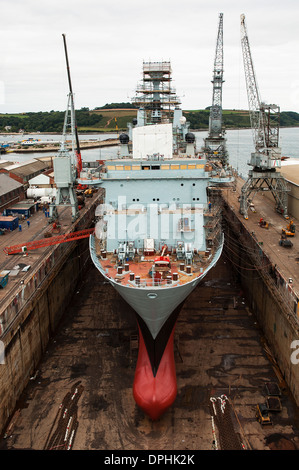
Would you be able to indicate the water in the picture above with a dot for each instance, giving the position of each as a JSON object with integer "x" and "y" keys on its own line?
{"x": 87, "y": 155}
{"x": 239, "y": 145}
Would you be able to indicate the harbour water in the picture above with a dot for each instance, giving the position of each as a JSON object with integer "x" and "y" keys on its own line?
{"x": 239, "y": 145}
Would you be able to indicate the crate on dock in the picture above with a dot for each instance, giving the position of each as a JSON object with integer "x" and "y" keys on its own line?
{"x": 274, "y": 403}
{"x": 22, "y": 209}
{"x": 273, "y": 389}
{"x": 8, "y": 222}
{"x": 3, "y": 279}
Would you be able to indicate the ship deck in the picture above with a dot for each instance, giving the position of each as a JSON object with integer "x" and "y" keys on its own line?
{"x": 136, "y": 272}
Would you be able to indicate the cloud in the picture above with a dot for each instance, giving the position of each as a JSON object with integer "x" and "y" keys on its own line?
{"x": 107, "y": 43}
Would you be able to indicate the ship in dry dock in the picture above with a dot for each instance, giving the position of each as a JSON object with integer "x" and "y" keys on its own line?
{"x": 158, "y": 233}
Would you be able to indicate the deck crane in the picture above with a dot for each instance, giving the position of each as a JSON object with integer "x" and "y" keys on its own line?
{"x": 266, "y": 158}
{"x": 215, "y": 143}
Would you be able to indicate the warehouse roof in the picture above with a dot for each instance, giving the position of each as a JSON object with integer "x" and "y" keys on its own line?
{"x": 5, "y": 163}
{"x": 8, "y": 184}
{"x": 26, "y": 168}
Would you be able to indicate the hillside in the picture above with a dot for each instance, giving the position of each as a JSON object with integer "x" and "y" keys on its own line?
{"x": 110, "y": 119}
{"x": 233, "y": 119}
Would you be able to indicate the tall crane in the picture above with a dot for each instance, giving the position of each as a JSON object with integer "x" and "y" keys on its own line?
{"x": 215, "y": 143}
{"x": 65, "y": 169}
{"x": 71, "y": 108}
{"x": 266, "y": 159}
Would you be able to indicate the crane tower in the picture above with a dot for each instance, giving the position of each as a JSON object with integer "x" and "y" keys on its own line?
{"x": 215, "y": 143}
{"x": 65, "y": 166}
{"x": 266, "y": 158}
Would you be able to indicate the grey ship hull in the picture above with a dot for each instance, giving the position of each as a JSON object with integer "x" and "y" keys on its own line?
{"x": 154, "y": 304}
{"x": 157, "y": 309}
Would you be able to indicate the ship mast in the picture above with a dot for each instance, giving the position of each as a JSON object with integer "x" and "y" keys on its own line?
{"x": 265, "y": 126}
{"x": 158, "y": 104}
{"x": 154, "y": 95}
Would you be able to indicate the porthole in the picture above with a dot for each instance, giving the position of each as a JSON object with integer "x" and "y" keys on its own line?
{"x": 152, "y": 295}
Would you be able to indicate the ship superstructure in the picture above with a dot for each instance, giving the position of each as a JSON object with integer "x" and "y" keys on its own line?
{"x": 158, "y": 233}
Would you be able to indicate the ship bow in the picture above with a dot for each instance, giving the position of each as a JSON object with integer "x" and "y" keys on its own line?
{"x": 154, "y": 392}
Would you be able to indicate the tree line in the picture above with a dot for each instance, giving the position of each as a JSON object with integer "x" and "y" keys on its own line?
{"x": 122, "y": 105}
{"x": 235, "y": 119}
{"x": 52, "y": 121}
{"x": 42, "y": 121}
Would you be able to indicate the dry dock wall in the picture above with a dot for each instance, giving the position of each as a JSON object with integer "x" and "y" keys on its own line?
{"x": 32, "y": 314}
{"x": 270, "y": 297}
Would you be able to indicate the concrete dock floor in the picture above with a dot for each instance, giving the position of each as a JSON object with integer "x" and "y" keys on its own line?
{"x": 219, "y": 351}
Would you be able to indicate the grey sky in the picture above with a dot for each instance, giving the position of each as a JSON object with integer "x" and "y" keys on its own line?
{"x": 108, "y": 41}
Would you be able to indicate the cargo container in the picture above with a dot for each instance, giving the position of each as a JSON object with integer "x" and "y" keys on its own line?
{"x": 22, "y": 208}
{"x": 9, "y": 222}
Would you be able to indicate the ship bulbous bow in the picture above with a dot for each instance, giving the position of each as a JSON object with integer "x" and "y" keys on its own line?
{"x": 153, "y": 392}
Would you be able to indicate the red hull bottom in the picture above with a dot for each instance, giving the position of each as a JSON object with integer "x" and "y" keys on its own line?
{"x": 154, "y": 394}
